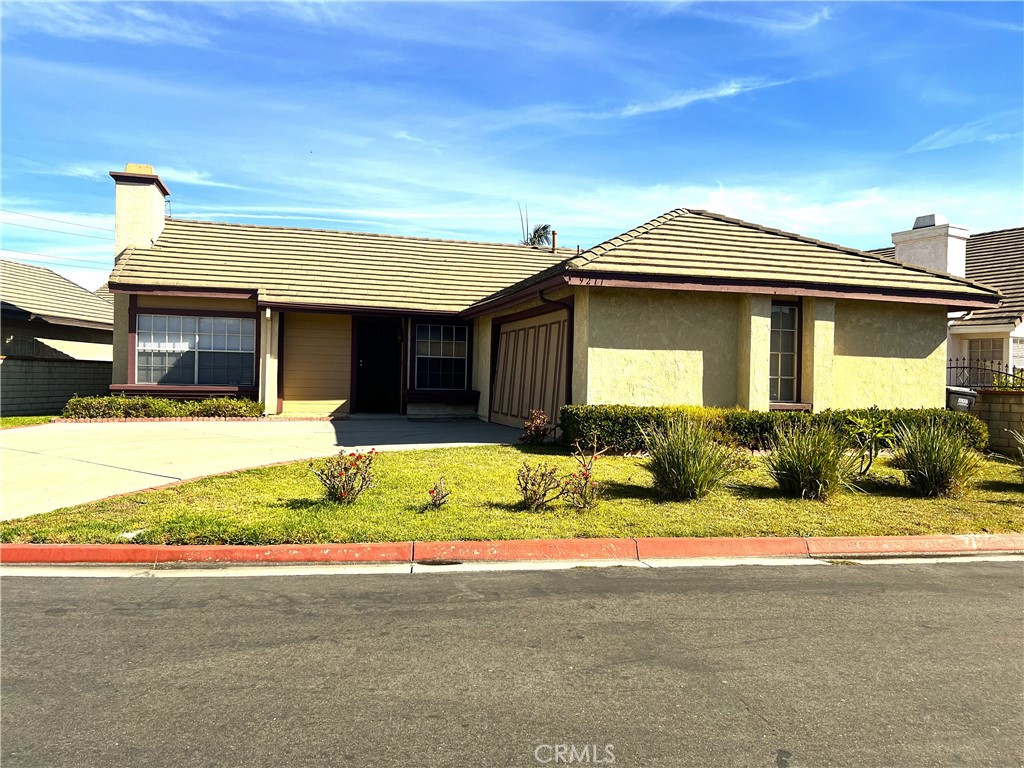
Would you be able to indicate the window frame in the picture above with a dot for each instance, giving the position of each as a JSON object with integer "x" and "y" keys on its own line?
{"x": 414, "y": 356}
{"x": 797, "y": 353}
{"x": 996, "y": 346}
{"x": 198, "y": 316}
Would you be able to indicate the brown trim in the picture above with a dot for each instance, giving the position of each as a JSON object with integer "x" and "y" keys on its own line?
{"x": 133, "y": 314}
{"x": 543, "y": 309}
{"x": 345, "y": 309}
{"x": 31, "y": 359}
{"x": 520, "y": 296}
{"x": 952, "y": 302}
{"x": 193, "y": 293}
{"x": 798, "y": 363}
{"x": 280, "y": 362}
{"x": 140, "y": 179}
{"x": 790, "y": 407}
{"x": 246, "y": 313}
{"x": 185, "y": 390}
{"x": 24, "y": 316}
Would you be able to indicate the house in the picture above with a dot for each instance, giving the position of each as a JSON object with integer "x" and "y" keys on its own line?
{"x": 984, "y": 338}
{"x": 104, "y": 293}
{"x": 57, "y": 340}
{"x": 691, "y": 307}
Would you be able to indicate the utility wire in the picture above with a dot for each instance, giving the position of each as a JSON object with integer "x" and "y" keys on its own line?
{"x": 55, "y": 258}
{"x": 58, "y": 221}
{"x": 58, "y": 231}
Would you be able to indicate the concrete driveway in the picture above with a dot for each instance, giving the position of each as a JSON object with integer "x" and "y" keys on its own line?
{"x": 56, "y": 465}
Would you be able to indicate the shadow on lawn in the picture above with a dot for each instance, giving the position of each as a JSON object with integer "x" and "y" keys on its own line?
{"x": 1000, "y": 486}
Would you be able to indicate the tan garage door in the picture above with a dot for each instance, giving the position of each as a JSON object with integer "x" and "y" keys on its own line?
{"x": 531, "y": 368}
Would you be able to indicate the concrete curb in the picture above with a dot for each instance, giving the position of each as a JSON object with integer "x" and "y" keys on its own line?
{"x": 517, "y": 550}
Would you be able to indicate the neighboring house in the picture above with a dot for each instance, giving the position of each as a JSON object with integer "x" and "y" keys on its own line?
{"x": 984, "y": 339}
{"x": 104, "y": 293}
{"x": 57, "y": 340}
{"x": 692, "y": 307}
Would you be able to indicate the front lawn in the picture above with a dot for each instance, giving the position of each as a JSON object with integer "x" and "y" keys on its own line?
{"x": 284, "y": 505}
{"x": 6, "y": 422}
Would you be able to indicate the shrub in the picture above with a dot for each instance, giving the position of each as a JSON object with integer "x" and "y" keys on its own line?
{"x": 871, "y": 431}
{"x": 345, "y": 476}
{"x": 537, "y": 428}
{"x": 935, "y": 458}
{"x": 438, "y": 495}
{"x": 811, "y": 461}
{"x": 621, "y": 426}
{"x": 686, "y": 462}
{"x": 150, "y": 407}
{"x": 580, "y": 489}
{"x": 538, "y": 485}
{"x": 1019, "y": 458}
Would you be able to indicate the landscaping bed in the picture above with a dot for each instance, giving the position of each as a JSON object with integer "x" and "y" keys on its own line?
{"x": 285, "y": 504}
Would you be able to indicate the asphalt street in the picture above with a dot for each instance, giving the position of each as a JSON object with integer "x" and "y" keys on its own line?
{"x": 849, "y": 665}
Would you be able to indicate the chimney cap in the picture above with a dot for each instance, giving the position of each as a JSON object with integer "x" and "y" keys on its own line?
{"x": 931, "y": 220}
{"x": 139, "y": 173}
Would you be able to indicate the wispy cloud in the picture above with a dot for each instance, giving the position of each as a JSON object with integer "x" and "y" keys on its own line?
{"x": 142, "y": 24}
{"x": 776, "y": 20}
{"x": 684, "y": 99}
{"x": 1003, "y": 125}
{"x": 194, "y": 178}
{"x": 99, "y": 172}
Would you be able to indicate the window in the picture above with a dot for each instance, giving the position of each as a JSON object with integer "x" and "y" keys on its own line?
{"x": 441, "y": 356}
{"x": 990, "y": 350}
{"x": 1017, "y": 353}
{"x": 783, "y": 363}
{"x": 212, "y": 351}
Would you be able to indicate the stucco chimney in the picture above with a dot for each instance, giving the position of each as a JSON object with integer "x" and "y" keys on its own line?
{"x": 138, "y": 207}
{"x": 933, "y": 243}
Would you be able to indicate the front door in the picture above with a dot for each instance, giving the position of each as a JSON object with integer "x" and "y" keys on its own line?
{"x": 378, "y": 365}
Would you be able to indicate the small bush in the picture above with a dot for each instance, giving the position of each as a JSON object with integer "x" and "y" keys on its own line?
{"x": 1019, "y": 458}
{"x": 538, "y": 485}
{"x": 812, "y": 461}
{"x": 537, "y": 428}
{"x": 686, "y": 462}
{"x": 580, "y": 489}
{"x": 345, "y": 476}
{"x": 935, "y": 458}
{"x": 438, "y": 495}
{"x": 150, "y": 407}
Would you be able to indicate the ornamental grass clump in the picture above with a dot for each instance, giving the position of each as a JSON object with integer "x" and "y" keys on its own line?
{"x": 345, "y": 476}
{"x": 685, "y": 461}
{"x": 812, "y": 462}
{"x": 935, "y": 458}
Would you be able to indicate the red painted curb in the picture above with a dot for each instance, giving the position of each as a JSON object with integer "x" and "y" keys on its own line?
{"x": 526, "y": 549}
{"x": 722, "y": 547}
{"x": 387, "y": 552}
{"x": 867, "y": 546}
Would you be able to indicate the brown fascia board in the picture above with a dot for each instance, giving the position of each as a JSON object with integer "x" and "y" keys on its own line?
{"x": 123, "y": 177}
{"x": 170, "y": 290}
{"x": 526, "y": 293}
{"x": 603, "y": 279}
{"x": 351, "y": 309}
{"x": 32, "y": 317}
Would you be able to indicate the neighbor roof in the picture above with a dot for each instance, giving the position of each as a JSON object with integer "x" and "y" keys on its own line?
{"x": 331, "y": 268}
{"x": 995, "y": 259}
{"x": 104, "y": 293}
{"x": 40, "y": 293}
{"x": 699, "y": 250}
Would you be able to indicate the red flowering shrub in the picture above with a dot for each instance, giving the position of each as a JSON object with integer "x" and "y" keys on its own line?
{"x": 580, "y": 490}
{"x": 438, "y": 494}
{"x": 537, "y": 428}
{"x": 345, "y": 476}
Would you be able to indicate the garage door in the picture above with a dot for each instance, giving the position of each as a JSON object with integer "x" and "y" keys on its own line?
{"x": 531, "y": 368}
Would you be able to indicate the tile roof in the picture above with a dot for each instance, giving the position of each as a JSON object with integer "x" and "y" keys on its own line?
{"x": 104, "y": 293}
{"x": 699, "y": 245}
{"x": 332, "y": 268}
{"x": 41, "y": 292}
{"x": 995, "y": 259}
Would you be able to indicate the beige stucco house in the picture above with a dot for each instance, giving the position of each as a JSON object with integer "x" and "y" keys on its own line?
{"x": 692, "y": 307}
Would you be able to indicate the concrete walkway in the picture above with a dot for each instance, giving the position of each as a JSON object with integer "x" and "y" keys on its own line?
{"x": 56, "y": 465}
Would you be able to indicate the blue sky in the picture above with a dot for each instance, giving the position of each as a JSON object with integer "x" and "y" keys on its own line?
{"x": 839, "y": 121}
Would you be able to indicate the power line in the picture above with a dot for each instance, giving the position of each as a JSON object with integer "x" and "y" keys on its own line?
{"x": 58, "y": 221}
{"x": 56, "y": 258}
{"x": 58, "y": 231}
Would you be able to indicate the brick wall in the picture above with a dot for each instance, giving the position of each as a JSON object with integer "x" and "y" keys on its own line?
{"x": 1001, "y": 411}
{"x": 29, "y": 387}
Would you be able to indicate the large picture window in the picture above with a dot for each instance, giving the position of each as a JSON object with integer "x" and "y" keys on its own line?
{"x": 212, "y": 351}
{"x": 441, "y": 352}
{"x": 784, "y": 345}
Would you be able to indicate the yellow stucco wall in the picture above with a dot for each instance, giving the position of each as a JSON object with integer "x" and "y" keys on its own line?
{"x": 197, "y": 303}
{"x": 119, "y": 373}
{"x": 892, "y": 355}
{"x": 482, "y": 364}
{"x": 317, "y": 361}
{"x": 649, "y": 347}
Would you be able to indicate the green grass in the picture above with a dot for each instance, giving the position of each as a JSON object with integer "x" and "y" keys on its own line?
{"x": 284, "y": 505}
{"x": 6, "y": 422}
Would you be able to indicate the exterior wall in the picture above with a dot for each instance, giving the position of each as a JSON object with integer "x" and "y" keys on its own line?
{"x": 481, "y": 373}
{"x": 752, "y": 343}
{"x": 649, "y": 347}
{"x": 170, "y": 303}
{"x": 25, "y": 338}
{"x": 1001, "y": 411}
{"x": 138, "y": 215}
{"x": 317, "y": 363}
{"x": 817, "y": 352}
{"x": 889, "y": 355}
{"x": 121, "y": 351}
{"x": 44, "y": 386}
{"x": 581, "y": 346}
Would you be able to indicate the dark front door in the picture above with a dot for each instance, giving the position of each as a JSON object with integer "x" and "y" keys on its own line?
{"x": 378, "y": 365}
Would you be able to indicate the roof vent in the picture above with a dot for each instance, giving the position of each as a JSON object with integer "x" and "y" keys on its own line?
{"x": 931, "y": 220}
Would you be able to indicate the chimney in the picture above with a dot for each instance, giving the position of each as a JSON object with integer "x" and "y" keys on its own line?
{"x": 554, "y": 240}
{"x": 138, "y": 207}
{"x": 933, "y": 243}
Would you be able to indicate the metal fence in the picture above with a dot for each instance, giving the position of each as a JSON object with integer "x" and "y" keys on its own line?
{"x": 983, "y": 374}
